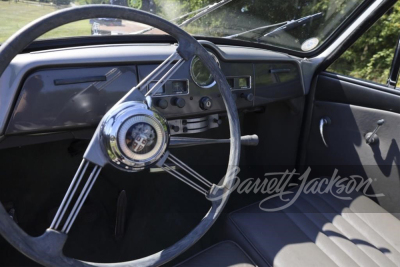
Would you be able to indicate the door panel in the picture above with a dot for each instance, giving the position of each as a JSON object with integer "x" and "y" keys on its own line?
{"x": 354, "y": 110}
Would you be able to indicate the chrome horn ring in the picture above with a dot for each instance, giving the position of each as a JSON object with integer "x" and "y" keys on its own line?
{"x": 134, "y": 136}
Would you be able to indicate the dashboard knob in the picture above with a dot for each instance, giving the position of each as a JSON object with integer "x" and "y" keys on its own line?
{"x": 179, "y": 102}
{"x": 205, "y": 103}
{"x": 248, "y": 96}
{"x": 162, "y": 103}
{"x": 175, "y": 128}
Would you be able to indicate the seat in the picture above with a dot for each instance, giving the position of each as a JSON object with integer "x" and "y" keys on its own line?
{"x": 224, "y": 254}
{"x": 317, "y": 230}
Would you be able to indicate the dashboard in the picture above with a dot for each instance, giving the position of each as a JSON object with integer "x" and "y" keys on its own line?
{"x": 71, "y": 88}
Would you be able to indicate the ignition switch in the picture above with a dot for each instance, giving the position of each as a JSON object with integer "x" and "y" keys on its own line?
{"x": 205, "y": 103}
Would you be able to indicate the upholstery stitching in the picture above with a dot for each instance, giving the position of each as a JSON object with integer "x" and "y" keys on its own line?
{"x": 377, "y": 234}
{"x": 374, "y": 230}
{"x": 309, "y": 237}
{"x": 354, "y": 228}
{"x": 384, "y": 239}
{"x": 333, "y": 242}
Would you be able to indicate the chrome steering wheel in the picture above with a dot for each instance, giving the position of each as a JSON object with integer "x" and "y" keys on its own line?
{"x": 131, "y": 136}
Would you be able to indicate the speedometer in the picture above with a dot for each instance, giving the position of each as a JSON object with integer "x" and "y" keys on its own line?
{"x": 200, "y": 74}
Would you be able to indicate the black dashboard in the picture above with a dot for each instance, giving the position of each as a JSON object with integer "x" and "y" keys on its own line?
{"x": 73, "y": 88}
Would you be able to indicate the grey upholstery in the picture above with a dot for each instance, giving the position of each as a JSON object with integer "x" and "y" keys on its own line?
{"x": 223, "y": 254}
{"x": 318, "y": 230}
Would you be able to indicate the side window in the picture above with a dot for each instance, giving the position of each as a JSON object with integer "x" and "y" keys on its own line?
{"x": 370, "y": 57}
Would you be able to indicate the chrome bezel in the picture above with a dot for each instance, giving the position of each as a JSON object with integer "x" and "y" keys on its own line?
{"x": 160, "y": 95}
{"x": 113, "y": 130}
{"x": 192, "y": 75}
{"x": 245, "y": 76}
{"x": 124, "y": 129}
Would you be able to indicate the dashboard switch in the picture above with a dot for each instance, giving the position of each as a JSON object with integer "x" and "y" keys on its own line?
{"x": 162, "y": 103}
{"x": 179, "y": 102}
{"x": 248, "y": 96}
{"x": 175, "y": 128}
{"x": 205, "y": 103}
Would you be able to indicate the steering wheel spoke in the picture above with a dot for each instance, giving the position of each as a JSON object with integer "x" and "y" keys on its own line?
{"x": 191, "y": 178}
{"x": 154, "y": 75}
{"x": 63, "y": 221}
{"x": 154, "y": 89}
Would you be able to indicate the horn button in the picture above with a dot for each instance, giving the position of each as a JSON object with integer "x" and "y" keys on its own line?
{"x": 134, "y": 137}
{"x": 141, "y": 138}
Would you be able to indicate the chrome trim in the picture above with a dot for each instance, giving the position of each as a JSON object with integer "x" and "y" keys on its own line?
{"x": 165, "y": 77}
{"x": 189, "y": 170}
{"x": 69, "y": 195}
{"x": 68, "y": 220}
{"x": 192, "y": 76}
{"x": 146, "y": 81}
{"x": 195, "y": 125}
{"x": 171, "y": 169}
{"x": 113, "y": 130}
{"x": 156, "y": 95}
{"x": 123, "y": 130}
{"x": 324, "y": 121}
{"x": 184, "y": 179}
{"x": 81, "y": 199}
{"x": 246, "y": 76}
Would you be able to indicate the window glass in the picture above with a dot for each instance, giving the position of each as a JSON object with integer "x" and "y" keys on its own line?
{"x": 258, "y": 21}
{"x": 370, "y": 57}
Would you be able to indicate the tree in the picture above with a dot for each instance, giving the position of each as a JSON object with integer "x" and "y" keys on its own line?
{"x": 370, "y": 57}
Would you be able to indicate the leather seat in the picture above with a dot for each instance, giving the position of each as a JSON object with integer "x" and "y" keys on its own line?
{"x": 318, "y": 230}
{"x": 224, "y": 254}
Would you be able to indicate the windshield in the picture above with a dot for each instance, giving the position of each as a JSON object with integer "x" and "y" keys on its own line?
{"x": 300, "y": 25}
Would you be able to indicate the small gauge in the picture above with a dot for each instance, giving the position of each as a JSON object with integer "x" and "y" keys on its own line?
{"x": 179, "y": 87}
{"x": 200, "y": 74}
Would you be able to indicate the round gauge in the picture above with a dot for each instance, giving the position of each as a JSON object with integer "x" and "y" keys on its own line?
{"x": 200, "y": 74}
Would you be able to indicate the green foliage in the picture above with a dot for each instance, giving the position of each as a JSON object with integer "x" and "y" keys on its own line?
{"x": 370, "y": 57}
{"x": 135, "y": 4}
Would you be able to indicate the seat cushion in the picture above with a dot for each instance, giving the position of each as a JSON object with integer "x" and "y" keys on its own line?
{"x": 317, "y": 230}
{"x": 226, "y": 253}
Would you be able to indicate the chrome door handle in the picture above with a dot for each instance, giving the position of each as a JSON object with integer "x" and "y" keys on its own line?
{"x": 324, "y": 121}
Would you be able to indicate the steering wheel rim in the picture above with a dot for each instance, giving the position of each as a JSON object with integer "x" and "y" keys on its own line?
{"x": 42, "y": 249}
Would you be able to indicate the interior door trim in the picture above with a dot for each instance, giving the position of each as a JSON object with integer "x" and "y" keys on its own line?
{"x": 340, "y": 89}
{"x": 369, "y": 84}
